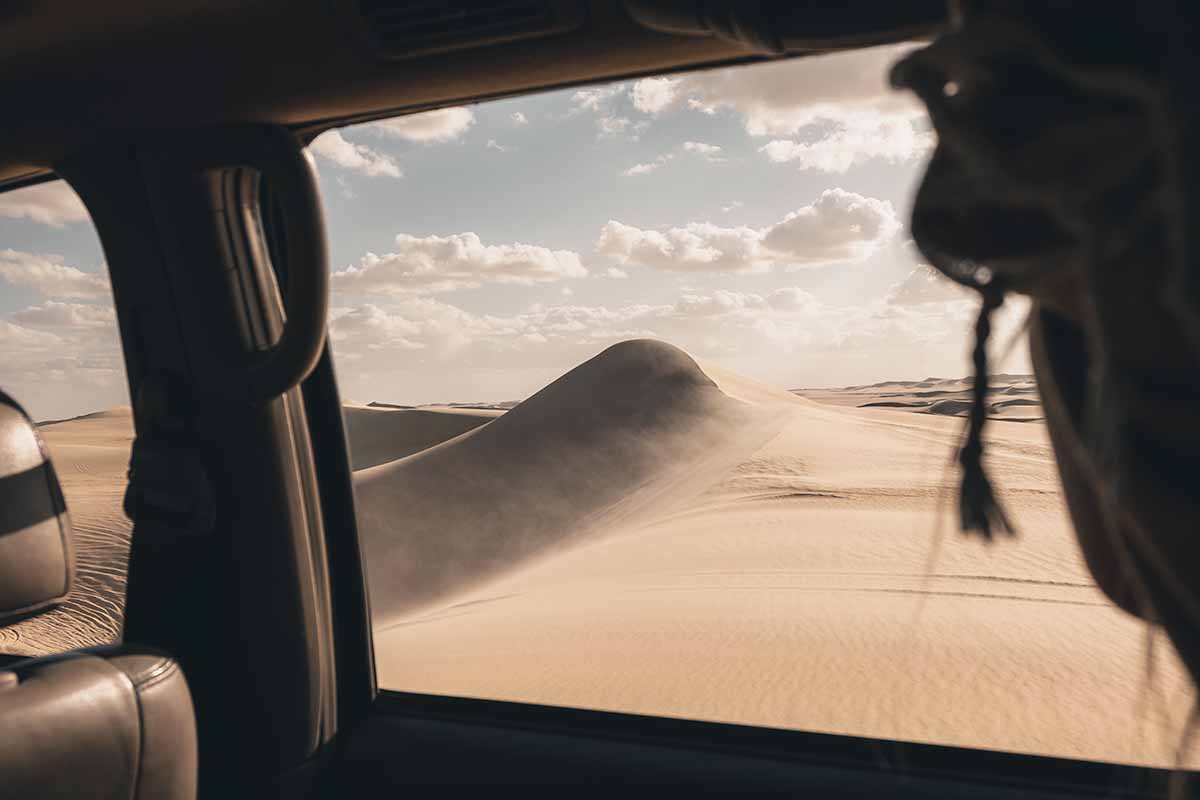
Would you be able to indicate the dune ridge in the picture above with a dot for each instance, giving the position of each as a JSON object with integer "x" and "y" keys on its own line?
{"x": 1011, "y": 397}
{"x": 380, "y": 433}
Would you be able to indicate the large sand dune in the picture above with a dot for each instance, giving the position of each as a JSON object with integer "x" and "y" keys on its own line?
{"x": 656, "y": 535}
{"x": 622, "y": 435}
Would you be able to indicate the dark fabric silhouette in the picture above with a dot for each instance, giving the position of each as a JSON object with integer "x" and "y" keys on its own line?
{"x": 1067, "y": 170}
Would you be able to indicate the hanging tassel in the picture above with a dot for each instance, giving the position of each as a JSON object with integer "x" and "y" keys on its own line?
{"x": 980, "y": 512}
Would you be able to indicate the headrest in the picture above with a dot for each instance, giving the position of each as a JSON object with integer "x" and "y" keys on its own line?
{"x": 36, "y": 558}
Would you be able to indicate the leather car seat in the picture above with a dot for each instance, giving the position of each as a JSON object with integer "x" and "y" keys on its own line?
{"x": 98, "y": 723}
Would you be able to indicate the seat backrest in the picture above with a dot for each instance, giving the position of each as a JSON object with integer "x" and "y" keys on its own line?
{"x": 98, "y": 723}
{"x": 91, "y": 724}
{"x": 36, "y": 559}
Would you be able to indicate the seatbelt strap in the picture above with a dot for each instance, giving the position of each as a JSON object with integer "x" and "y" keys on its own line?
{"x": 169, "y": 490}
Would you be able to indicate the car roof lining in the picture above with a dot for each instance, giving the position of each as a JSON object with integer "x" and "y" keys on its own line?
{"x": 300, "y": 64}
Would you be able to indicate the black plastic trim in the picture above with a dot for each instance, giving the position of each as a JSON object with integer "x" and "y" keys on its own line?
{"x": 277, "y": 155}
{"x": 354, "y": 651}
{"x": 899, "y": 759}
{"x": 32, "y": 179}
{"x": 354, "y": 654}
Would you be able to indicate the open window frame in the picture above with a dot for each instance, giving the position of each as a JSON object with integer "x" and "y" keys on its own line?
{"x": 397, "y": 739}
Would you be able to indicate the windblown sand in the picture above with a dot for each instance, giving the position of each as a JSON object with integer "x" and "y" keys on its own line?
{"x": 653, "y": 535}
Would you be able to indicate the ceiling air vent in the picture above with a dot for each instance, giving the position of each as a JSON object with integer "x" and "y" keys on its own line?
{"x": 405, "y": 29}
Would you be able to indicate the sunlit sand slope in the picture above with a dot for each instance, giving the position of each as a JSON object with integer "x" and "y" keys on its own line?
{"x": 805, "y": 585}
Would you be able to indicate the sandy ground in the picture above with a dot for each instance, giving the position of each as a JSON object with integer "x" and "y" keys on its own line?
{"x": 792, "y": 575}
{"x": 652, "y": 535}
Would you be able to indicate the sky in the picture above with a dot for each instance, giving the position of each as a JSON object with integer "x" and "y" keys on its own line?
{"x": 755, "y": 216}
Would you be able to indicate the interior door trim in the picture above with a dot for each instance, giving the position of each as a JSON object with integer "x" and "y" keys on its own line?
{"x": 895, "y": 758}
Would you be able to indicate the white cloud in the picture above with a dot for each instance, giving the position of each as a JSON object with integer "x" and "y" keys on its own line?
{"x": 791, "y": 299}
{"x": 518, "y": 118}
{"x": 731, "y": 206}
{"x": 782, "y": 97}
{"x": 699, "y": 246}
{"x": 333, "y": 147}
{"x": 603, "y": 101}
{"x": 854, "y": 139}
{"x": 610, "y": 125}
{"x": 926, "y": 285}
{"x": 718, "y": 303}
{"x": 18, "y": 340}
{"x": 652, "y": 95}
{"x": 53, "y": 203}
{"x": 438, "y": 264}
{"x": 647, "y": 166}
{"x": 55, "y": 315}
{"x": 375, "y": 329}
{"x": 440, "y": 125}
{"x": 595, "y": 98}
{"x": 838, "y": 107}
{"x": 62, "y": 359}
{"x": 616, "y": 274}
{"x": 492, "y": 144}
{"x": 49, "y": 276}
{"x": 839, "y": 226}
{"x": 709, "y": 152}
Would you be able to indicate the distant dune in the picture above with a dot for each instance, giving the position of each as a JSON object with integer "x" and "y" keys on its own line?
{"x": 384, "y": 433}
{"x": 943, "y": 396}
{"x": 949, "y": 408}
{"x": 119, "y": 413}
{"x": 654, "y": 534}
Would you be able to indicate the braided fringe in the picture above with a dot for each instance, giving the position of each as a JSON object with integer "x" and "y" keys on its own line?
{"x": 980, "y": 512}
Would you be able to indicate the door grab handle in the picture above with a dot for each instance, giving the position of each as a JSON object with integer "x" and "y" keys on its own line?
{"x": 277, "y": 155}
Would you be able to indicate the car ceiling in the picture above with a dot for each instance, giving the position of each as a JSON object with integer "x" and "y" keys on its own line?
{"x": 73, "y": 73}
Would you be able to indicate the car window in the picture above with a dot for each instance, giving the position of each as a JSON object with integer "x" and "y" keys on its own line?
{"x": 60, "y": 358}
{"x": 652, "y": 405}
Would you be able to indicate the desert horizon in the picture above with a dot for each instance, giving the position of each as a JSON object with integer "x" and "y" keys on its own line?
{"x": 652, "y": 533}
